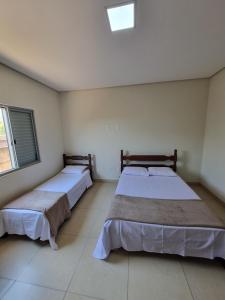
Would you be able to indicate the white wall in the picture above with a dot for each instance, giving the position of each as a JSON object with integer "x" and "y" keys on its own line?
{"x": 151, "y": 118}
{"x": 213, "y": 162}
{"x": 19, "y": 90}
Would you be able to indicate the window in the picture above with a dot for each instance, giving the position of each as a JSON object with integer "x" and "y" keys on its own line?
{"x": 18, "y": 141}
{"x": 6, "y": 151}
{"x": 121, "y": 16}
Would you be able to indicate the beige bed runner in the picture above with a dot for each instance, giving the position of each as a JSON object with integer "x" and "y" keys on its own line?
{"x": 54, "y": 205}
{"x": 193, "y": 213}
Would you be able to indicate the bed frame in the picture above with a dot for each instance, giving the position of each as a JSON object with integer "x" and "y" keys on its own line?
{"x": 74, "y": 160}
{"x": 149, "y": 158}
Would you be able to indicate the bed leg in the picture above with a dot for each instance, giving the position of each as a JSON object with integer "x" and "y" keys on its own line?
{"x": 4, "y": 236}
{"x": 221, "y": 261}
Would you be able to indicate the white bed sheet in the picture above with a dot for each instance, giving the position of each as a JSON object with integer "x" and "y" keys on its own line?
{"x": 69, "y": 184}
{"x": 134, "y": 236}
{"x": 33, "y": 223}
{"x": 155, "y": 187}
{"x": 184, "y": 241}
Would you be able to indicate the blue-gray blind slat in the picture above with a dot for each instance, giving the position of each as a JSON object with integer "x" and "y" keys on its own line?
{"x": 24, "y": 136}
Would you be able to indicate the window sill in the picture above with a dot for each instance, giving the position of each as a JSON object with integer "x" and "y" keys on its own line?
{"x": 18, "y": 169}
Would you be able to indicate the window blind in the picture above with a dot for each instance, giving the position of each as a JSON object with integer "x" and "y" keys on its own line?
{"x": 24, "y": 136}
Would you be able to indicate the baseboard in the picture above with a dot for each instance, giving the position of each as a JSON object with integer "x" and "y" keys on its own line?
{"x": 105, "y": 180}
{"x": 116, "y": 180}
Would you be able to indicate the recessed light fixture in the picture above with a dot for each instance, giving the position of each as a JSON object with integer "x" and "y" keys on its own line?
{"x": 121, "y": 16}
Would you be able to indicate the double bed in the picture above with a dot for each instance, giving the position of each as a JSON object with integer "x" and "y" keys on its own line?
{"x": 122, "y": 228}
{"x": 33, "y": 223}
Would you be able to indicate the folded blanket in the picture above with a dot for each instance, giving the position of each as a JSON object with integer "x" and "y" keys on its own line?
{"x": 53, "y": 205}
{"x": 193, "y": 213}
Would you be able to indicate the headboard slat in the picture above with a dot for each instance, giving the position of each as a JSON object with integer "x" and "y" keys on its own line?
{"x": 77, "y": 157}
{"x": 148, "y": 158}
{"x": 73, "y": 160}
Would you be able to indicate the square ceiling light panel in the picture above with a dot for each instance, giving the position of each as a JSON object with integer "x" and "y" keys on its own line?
{"x": 121, "y": 17}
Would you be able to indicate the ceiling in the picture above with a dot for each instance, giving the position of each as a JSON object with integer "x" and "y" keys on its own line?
{"x": 67, "y": 44}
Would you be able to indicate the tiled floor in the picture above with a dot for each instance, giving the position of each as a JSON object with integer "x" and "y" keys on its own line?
{"x": 32, "y": 271}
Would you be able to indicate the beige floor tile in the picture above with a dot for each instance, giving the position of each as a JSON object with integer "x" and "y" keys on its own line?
{"x": 54, "y": 269}
{"x": 206, "y": 279}
{"x": 104, "y": 196}
{"x": 101, "y": 279}
{"x": 15, "y": 254}
{"x": 98, "y": 224}
{"x": 4, "y": 285}
{"x": 88, "y": 198}
{"x": 156, "y": 278}
{"x": 73, "y": 296}
{"x": 23, "y": 291}
{"x": 81, "y": 222}
{"x": 85, "y": 222}
{"x": 98, "y": 197}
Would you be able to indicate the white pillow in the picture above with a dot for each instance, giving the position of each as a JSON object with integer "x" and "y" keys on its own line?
{"x": 161, "y": 171}
{"x": 137, "y": 171}
{"x": 74, "y": 169}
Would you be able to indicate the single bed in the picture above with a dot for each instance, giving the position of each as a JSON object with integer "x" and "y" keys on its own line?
{"x": 34, "y": 224}
{"x": 207, "y": 242}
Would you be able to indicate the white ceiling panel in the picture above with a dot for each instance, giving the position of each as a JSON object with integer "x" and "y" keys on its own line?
{"x": 68, "y": 44}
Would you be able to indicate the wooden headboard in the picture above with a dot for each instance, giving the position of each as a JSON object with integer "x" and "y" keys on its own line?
{"x": 75, "y": 161}
{"x": 130, "y": 159}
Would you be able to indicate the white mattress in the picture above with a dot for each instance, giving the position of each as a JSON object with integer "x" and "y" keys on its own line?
{"x": 33, "y": 223}
{"x": 155, "y": 187}
{"x": 67, "y": 183}
{"x": 134, "y": 236}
